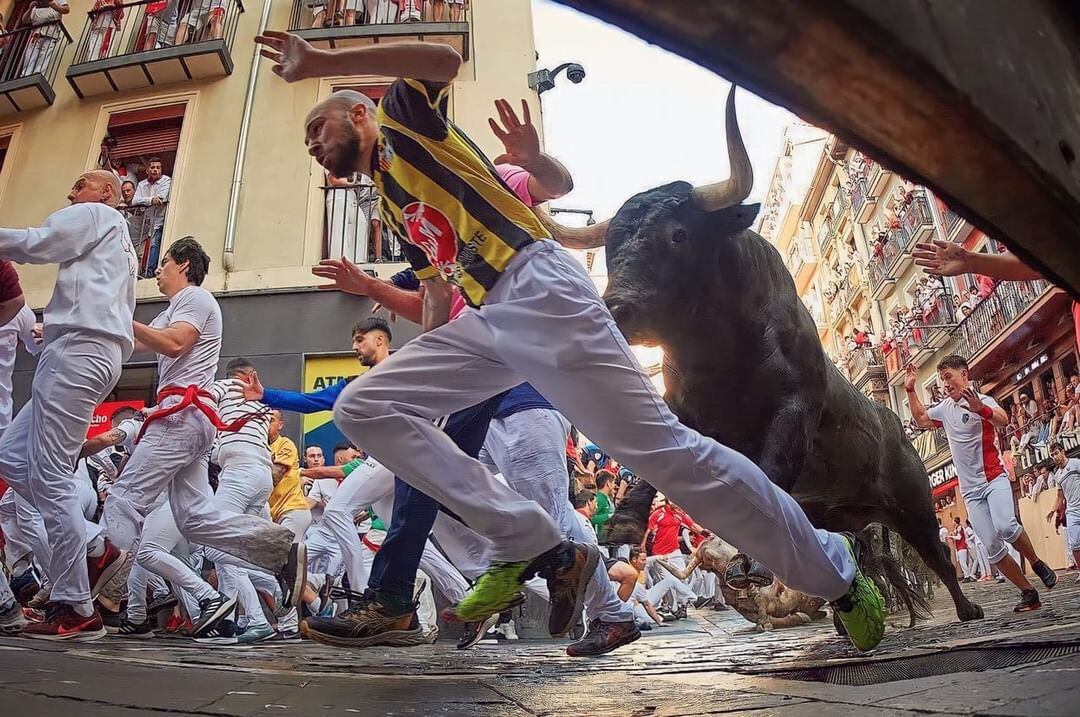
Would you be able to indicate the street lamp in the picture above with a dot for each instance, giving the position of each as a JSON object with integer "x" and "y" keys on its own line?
{"x": 544, "y": 80}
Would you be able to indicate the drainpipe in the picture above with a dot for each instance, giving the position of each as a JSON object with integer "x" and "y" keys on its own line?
{"x": 241, "y": 152}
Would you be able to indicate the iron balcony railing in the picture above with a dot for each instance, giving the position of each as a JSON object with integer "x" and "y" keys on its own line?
{"x": 851, "y": 286}
{"x": 33, "y": 50}
{"x": 352, "y": 227}
{"x": 312, "y": 14}
{"x": 860, "y": 194}
{"x": 915, "y": 218}
{"x": 825, "y": 233}
{"x": 863, "y": 359}
{"x": 884, "y": 258}
{"x": 146, "y": 224}
{"x": 994, "y": 314}
{"x": 129, "y": 28}
{"x": 952, "y": 221}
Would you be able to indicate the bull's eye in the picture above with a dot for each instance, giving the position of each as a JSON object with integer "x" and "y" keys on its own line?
{"x": 677, "y": 236}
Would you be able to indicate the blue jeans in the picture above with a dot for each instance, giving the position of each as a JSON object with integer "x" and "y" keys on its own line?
{"x": 393, "y": 573}
{"x": 153, "y": 251}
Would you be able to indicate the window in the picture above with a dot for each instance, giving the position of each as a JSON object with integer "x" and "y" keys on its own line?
{"x": 140, "y": 146}
{"x": 5, "y": 142}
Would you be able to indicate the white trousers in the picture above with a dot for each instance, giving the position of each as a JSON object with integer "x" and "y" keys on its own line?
{"x": 75, "y": 372}
{"x": 159, "y": 538}
{"x": 529, "y": 449}
{"x": 173, "y": 456}
{"x": 544, "y": 323}
{"x": 982, "y": 559}
{"x": 677, "y": 591}
{"x": 965, "y": 561}
{"x": 993, "y": 516}
{"x": 7, "y": 598}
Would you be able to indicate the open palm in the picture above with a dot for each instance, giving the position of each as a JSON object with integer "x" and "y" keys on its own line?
{"x": 294, "y": 59}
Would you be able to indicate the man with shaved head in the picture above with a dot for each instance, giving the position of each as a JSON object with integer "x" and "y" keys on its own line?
{"x": 88, "y": 335}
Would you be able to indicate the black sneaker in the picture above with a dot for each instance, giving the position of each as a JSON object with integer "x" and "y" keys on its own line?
{"x": 366, "y": 626}
{"x": 474, "y": 632}
{"x": 25, "y": 586}
{"x": 680, "y": 614}
{"x": 1045, "y": 573}
{"x": 568, "y": 568}
{"x": 603, "y": 637}
{"x": 293, "y": 576}
{"x": 211, "y": 612}
{"x": 160, "y": 603}
{"x": 127, "y": 628}
{"x": 1029, "y": 600}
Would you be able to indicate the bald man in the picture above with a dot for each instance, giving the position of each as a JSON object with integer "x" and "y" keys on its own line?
{"x": 88, "y": 335}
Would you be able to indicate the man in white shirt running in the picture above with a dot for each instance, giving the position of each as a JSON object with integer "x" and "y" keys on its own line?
{"x": 1067, "y": 476}
{"x": 87, "y": 337}
{"x": 969, "y": 419}
{"x": 172, "y": 452}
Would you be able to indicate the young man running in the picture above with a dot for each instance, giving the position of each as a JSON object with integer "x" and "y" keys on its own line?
{"x": 87, "y": 337}
{"x": 541, "y": 322}
{"x": 969, "y": 419}
{"x": 1067, "y": 477}
{"x": 173, "y": 449}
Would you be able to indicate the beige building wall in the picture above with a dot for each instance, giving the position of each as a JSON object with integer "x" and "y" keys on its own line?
{"x": 279, "y": 221}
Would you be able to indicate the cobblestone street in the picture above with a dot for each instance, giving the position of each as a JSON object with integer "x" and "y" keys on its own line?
{"x": 710, "y": 664}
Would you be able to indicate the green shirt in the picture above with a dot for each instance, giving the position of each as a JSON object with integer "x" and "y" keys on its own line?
{"x": 604, "y": 509}
{"x": 376, "y": 523}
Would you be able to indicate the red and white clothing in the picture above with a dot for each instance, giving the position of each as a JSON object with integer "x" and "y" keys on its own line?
{"x": 981, "y": 472}
{"x": 665, "y": 524}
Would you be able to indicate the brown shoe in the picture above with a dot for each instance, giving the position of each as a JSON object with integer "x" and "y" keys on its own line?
{"x": 604, "y": 637}
{"x": 569, "y": 567}
{"x": 366, "y": 626}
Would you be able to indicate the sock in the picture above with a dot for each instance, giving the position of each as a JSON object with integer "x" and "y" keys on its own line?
{"x": 96, "y": 548}
{"x": 85, "y": 609}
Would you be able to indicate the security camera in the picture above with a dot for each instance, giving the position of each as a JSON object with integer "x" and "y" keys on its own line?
{"x": 575, "y": 73}
{"x": 544, "y": 80}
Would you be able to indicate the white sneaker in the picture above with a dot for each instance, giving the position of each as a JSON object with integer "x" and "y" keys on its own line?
{"x": 508, "y": 630}
{"x": 12, "y": 620}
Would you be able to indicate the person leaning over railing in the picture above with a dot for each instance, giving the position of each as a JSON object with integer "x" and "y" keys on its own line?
{"x": 44, "y": 16}
{"x": 104, "y": 22}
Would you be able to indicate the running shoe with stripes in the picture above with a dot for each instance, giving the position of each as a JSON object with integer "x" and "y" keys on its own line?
{"x": 862, "y": 609}
{"x": 367, "y": 625}
{"x": 136, "y": 630}
{"x": 212, "y": 611}
{"x": 12, "y": 620}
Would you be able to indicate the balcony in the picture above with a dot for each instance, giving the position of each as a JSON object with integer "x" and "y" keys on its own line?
{"x": 889, "y": 259}
{"x": 865, "y": 365}
{"x": 29, "y": 59}
{"x": 825, "y": 234}
{"x": 952, "y": 221}
{"x": 935, "y": 322}
{"x": 146, "y": 225}
{"x": 852, "y": 287}
{"x": 351, "y": 230}
{"x": 1006, "y": 321}
{"x": 877, "y": 177}
{"x": 385, "y": 27}
{"x": 909, "y": 349}
{"x": 862, "y": 205}
{"x": 915, "y": 219}
{"x": 139, "y": 44}
{"x": 931, "y": 446}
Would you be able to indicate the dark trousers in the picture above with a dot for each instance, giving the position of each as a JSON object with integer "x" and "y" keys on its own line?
{"x": 393, "y": 573}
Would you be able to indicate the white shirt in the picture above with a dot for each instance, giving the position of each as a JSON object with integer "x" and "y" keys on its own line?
{"x": 19, "y": 328}
{"x": 196, "y": 306}
{"x": 250, "y": 443}
{"x": 145, "y": 191}
{"x": 95, "y": 285}
{"x": 321, "y": 492}
{"x": 973, "y": 442}
{"x": 943, "y": 534}
{"x": 1068, "y": 478}
{"x": 130, "y": 428}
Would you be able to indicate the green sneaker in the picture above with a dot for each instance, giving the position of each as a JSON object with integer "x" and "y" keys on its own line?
{"x": 862, "y": 609}
{"x": 494, "y": 591}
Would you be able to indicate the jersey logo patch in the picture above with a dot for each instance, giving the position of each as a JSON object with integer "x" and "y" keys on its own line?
{"x": 965, "y": 418}
{"x": 430, "y": 230}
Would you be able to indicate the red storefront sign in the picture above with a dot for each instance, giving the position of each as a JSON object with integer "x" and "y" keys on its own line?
{"x": 103, "y": 413}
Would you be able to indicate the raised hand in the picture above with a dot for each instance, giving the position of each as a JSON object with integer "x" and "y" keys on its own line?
{"x": 519, "y": 137}
{"x": 294, "y": 59}
{"x": 347, "y": 276}
{"x": 941, "y": 258}
{"x": 974, "y": 403}
{"x": 910, "y": 376}
{"x": 251, "y": 386}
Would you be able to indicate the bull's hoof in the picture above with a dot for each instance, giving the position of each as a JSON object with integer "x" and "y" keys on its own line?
{"x": 743, "y": 573}
{"x": 624, "y": 530}
{"x": 974, "y": 612}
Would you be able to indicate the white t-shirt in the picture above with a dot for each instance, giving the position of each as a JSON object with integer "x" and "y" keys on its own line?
{"x": 196, "y": 367}
{"x": 19, "y": 328}
{"x": 321, "y": 492}
{"x": 251, "y": 441}
{"x": 95, "y": 285}
{"x": 943, "y": 534}
{"x": 1068, "y": 478}
{"x": 973, "y": 443}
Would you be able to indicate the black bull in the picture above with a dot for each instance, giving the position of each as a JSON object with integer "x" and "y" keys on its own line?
{"x": 744, "y": 364}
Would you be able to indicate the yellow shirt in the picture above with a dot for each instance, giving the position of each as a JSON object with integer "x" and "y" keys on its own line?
{"x": 287, "y": 494}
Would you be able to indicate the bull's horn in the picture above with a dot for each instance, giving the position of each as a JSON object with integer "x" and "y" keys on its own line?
{"x": 590, "y": 237}
{"x": 736, "y": 188}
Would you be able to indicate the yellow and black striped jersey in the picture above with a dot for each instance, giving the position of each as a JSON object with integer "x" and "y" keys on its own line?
{"x": 442, "y": 197}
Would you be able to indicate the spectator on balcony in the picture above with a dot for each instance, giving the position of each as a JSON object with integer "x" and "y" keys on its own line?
{"x": 382, "y": 11}
{"x": 351, "y": 205}
{"x": 985, "y": 284}
{"x": 138, "y": 229}
{"x": 318, "y": 12}
{"x": 105, "y": 20}
{"x": 204, "y": 15}
{"x": 411, "y": 10}
{"x": 153, "y": 193}
{"x": 457, "y": 8}
{"x": 160, "y": 24}
{"x": 44, "y": 16}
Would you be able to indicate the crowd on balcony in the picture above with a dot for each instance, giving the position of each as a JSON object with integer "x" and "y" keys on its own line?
{"x": 144, "y": 190}
{"x": 1036, "y": 425}
{"x": 340, "y": 13}
{"x": 29, "y": 42}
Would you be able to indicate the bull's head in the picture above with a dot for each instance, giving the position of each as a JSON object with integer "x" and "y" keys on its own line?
{"x": 664, "y": 241}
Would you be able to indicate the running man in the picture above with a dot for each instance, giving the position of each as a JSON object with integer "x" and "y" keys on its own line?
{"x": 543, "y": 322}
{"x": 1067, "y": 477}
{"x": 87, "y": 337}
{"x": 969, "y": 419}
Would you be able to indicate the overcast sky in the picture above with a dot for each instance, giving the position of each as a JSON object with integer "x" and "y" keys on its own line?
{"x": 642, "y": 116}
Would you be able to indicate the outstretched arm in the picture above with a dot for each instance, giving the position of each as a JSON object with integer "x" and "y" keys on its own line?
{"x": 294, "y": 59}
{"x": 350, "y": 278}
{"x": 918, "y": 410}
{"x": 686, "y": 572}
{"x": 942, "y": 258}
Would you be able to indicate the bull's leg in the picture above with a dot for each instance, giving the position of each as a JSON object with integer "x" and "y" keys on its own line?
{"x": 627, "y": 525}
{"x": 920, "y": 531}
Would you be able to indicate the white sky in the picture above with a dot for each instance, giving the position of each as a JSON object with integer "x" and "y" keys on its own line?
{"x": 642, "y": 117}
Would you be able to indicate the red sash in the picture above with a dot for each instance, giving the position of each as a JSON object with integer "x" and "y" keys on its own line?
{"x": 371, "y": 546}
{"x": 194, "y": 396}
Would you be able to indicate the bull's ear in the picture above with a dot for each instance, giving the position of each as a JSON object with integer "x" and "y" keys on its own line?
{"x": 732, "y": 220}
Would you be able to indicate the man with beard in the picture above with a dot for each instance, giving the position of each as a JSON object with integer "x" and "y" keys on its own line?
{"x": 534, "y": 315}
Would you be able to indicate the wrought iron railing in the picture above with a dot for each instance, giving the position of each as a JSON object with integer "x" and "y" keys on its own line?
{"x": 825, "y": 233}
{"x": 33, "y": 50}
{"x": 994, "y": 314}
{"x": 352, "y": 227}
{"x": 852, "y": 286}
{"x": 860, "y": 194}
{"x": 133, "y": 27}
{"x": 951, "y": 220}
{"x": 146, "y": 224}
{"x": 885, "y": 257}
{"x": 862, "y": 359}
{"x": 311, "y": 14}
{"x": 915, "y": 216}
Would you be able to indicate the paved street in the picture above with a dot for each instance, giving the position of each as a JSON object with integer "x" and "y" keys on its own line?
{"x": 709, "y": 664}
